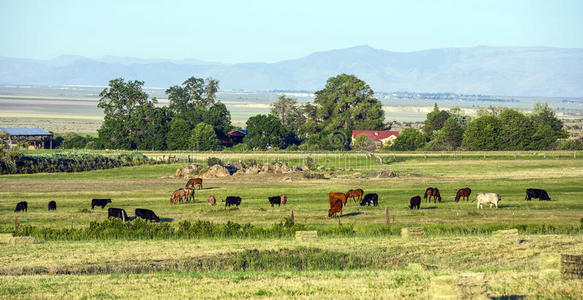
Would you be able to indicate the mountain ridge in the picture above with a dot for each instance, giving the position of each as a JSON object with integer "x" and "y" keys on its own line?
{"x": 519, "y": 71}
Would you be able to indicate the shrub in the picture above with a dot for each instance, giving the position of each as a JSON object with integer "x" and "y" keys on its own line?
{"x": 211, "y": 161}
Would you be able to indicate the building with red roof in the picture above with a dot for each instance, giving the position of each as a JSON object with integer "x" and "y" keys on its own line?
{"x": 380, "y": 137}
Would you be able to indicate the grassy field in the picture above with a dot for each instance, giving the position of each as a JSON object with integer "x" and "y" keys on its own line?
{"x": 367, "y": 266}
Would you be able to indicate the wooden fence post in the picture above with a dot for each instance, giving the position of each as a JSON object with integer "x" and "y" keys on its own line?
{"x": 387, "y": 216}
{"x": 291, "y": 216}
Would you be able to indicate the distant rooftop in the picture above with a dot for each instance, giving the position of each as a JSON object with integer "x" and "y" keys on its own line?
{"x": 26, "y": 131}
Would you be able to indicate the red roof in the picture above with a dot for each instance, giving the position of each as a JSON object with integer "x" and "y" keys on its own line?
{"x": 375, "y": 135}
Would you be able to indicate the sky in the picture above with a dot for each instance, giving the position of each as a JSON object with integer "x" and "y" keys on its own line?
{"x": 269, "y": 31}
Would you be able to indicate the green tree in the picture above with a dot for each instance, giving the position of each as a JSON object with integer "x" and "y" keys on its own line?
{"x": 543, "y": 138}
{"x": 347, "y": 103}
{"x": 178, "y": 136}
{"x": 483, "y": 133}
{"x": 408, "y": 140}
{"x": 435, "y": 120}
{"x": 151, "y": 126}
{"x": 203, "y": 138}
{"x": 363, "y": 142}
{"x": 516, "y": 131}
{"x": 545, "y": 116}
{"x": 450, "y": 136}
{"x": 265, "y": 131}
{"x": 119, "y": 101}
{"x": 289, "y": 112}
{"x": 194, "y": 93}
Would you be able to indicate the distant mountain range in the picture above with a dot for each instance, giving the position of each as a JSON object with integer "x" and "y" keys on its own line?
{"x": 503, "y": 71}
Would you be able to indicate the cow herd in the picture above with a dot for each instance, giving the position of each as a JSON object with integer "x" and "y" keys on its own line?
{"x": 336, "y": 200}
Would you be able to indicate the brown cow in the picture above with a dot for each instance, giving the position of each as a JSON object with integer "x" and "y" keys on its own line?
{"x": 355, "y": 194}
{"x": 189, "y": 194}
{"x": 194, "y": 182}
{"x": 177, "y": 196}
{"x": 211, "y": 200}
{"x": 336, "y": 201}
{"x": 283, "y": 198}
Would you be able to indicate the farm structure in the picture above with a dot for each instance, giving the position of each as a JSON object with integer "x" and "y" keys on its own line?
{"x": 379, "y": 137}
{"x": 36, "y": 138}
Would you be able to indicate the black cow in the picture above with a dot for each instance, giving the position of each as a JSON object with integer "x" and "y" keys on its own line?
{"x": 232, "y": 200}
{"x": 273, "y": 200}
{"x": 52, "y": 205}
{"x": 536, "y": 193}
{"x": 147, "y": 214}
{"x": 117, "y": 213}
{"x": 370, "y": 198}
{"x": 100, "y": 202}
{"x": 21, "y": 206}
{"x": 415, "y": 202}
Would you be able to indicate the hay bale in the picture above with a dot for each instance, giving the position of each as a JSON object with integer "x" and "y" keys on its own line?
{"x": 21, "y": 240}
{"x": 412, "y": 232}
{"x": 305, "y": 236}
{"x": 464, "y": 286}
{"x": 506, "y": 236}
{"x": 572, "y": 266}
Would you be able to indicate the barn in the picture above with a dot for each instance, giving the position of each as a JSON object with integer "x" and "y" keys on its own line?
{"x": 33, "y": 138}
{"x": 236, "y": 136}
{"x": 380, "y": 137}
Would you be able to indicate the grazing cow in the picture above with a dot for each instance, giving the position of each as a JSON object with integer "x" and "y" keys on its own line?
{"x": 283, "y": 198}
{"x": 370, "y": 198}
{"x": 336, "y": 204}
{"x": 193, "y": 182}
{"x": 536, "y": 193}
{"x": 177, "y": 196}
{"x": 354, "y": 194}
{"x": 232, "y": 200}
{"x": 189, "y": 194}
{"x": 415, "y": 202}
{"x": 275, "y": 200}
{"x": 52, "y": 205}
{"x": 212, "y": 201}
{"x": 147, "y": 214}
{"x": 117, "y": 213}
{"x": 340, "y": 196}
{"x": 432, "y": 192}
{"x": 488, "y": 198}
{"x": 99, "y": 202}
{"x": 20, "y": 206}
{"x": 464, "y": 194}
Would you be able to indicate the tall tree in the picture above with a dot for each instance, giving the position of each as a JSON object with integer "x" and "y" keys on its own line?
{"x": 203, "y": 138}
{"x": 449, "y": 137}
{"x": 194, "y": 93}
{"x": 265, "y": 131}
{"x": 545, "y": 116}
{"x": 435, "y": 120}
{"x": 516, "y": 130}
{"x": 178, "y": 136}
{"x": 483, "y": 133}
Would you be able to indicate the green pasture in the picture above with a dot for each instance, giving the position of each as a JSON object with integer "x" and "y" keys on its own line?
{"x": 149, "y": 186}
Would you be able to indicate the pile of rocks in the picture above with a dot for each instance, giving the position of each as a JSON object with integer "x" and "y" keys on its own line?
{"x": 236, "y": 168}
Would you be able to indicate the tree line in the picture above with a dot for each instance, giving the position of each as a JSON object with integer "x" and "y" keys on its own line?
{"x": 195, "y": 120}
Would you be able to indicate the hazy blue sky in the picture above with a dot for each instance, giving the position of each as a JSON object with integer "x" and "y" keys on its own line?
{"x": 247, "y": 31}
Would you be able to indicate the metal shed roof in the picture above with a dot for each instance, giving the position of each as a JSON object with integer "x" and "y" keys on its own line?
{"x": 26, "y": 131}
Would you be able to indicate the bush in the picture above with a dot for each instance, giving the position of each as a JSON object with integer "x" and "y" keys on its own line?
{"x": 569, "y": 145}
{"x": 211, "y": 161}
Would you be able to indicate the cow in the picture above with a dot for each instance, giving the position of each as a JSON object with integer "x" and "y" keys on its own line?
{"x": 177, "y": 196}
{"x": 336, "y": 201}
{"x": 355, "y": 194}
{"x": 464, "y": 194}
{"x": 99, "y": 202}
{"x": 370, "y": 198}
{"x": 193, "y": 182}
{"x": 147, "y": 214}
{"x": 189, "y": 194}
{"x": 415, "y": 202}
{"x": 275, "y": 200}
{"x": 117, "y": 213}
{"x": 488, "y": 198}
{"x": 537, "y": 193}
{"x": 52, "y": 205}
{"x": 283, "y": 198}
{"x": 336, "y": 204}
{"x": 21, "y": 206}
{"x": 211, "y": 200}
{"x": 432, "y": 192}
{"x": 232, "y": 200}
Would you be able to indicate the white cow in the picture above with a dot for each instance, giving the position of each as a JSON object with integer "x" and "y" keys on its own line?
{"x": 488, "y": 198}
